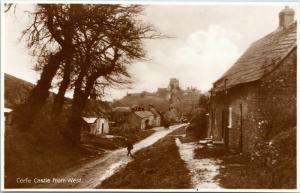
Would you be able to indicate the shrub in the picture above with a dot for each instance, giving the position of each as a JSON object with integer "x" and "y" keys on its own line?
{"x": 278, "y": 158}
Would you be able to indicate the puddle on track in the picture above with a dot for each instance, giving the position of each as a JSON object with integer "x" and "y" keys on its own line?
{"x": 202, "y": 171}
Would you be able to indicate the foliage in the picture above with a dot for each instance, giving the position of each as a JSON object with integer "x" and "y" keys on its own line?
{"x": 159, "y": 103}
{"x": 87, "y": 47}
{"x": 198, "y": 123}
{"x": 204, "y": 101}
{"x": 265, "y": 153}
{"x": 271, "y": 165}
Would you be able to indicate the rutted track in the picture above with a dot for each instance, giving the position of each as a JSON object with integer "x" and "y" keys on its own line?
{"x": 93, "y": 173}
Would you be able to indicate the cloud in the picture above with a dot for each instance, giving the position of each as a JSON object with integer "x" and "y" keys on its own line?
{"x": 196, "y": 57}
{"x": 196, "y": 60}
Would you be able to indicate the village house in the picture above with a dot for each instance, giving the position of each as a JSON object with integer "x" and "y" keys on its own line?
{"x": 136, "y": 117}
{"x": 256, "y": 98}
{"x": 157, "y": 117}
{"x": 95, "y": 125}
{"x": 141, "y": 119}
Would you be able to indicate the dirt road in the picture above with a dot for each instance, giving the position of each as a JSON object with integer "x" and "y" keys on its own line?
{"x": 93, "y": 173}
{"x": 202, "y": 171}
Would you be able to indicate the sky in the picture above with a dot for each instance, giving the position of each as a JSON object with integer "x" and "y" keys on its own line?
{"x": 205, "y": 41}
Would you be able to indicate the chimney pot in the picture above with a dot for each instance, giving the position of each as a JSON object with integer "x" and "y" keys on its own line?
{"x": 286, "y": 17}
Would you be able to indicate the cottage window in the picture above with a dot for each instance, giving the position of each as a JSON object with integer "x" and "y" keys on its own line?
{"x": 230, "y": 117}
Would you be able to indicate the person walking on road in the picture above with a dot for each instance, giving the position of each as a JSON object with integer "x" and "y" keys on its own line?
{"x": 129, "y": 147}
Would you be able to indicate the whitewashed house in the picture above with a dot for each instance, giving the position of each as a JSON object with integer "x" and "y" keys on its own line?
{"x": 95, "y": 125}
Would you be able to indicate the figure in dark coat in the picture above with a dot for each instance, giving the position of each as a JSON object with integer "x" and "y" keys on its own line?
{"x": 129, "y": 147}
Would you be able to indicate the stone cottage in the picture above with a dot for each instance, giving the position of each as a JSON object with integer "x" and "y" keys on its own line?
{"x": 256, "y": 98}
{"x": 141, "y": 120}
{"x": 95, "y": 125}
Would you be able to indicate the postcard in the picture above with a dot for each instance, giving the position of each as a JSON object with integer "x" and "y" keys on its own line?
{"x": 149, "y": 96}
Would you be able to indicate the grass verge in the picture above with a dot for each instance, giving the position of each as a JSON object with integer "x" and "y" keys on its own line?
{"x": 242, "y": 172}
{"x": 156, "y": 167}
{"x": 42, "y": 153}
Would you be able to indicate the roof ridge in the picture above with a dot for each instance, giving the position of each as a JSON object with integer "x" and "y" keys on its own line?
{"x": 260, "y": 57}
{"x": 276, "y": 31}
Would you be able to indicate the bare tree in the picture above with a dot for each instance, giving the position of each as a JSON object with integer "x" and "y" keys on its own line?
{"x": 85, "y": 45}
{"x": 50, "y": 39}
{"x": 8, "y": 6}
{"x": 98, "y": 31}
{"x": 108, "y": 45}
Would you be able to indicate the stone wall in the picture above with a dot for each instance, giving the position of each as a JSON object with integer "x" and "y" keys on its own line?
{"x": 243, "y": 102}
{"x": 278, "y": 96}
{"x": 268, "y": 106}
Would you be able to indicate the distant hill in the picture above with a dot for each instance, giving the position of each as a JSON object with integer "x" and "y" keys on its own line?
{"x": 183, "y": 100}
{"x": 143, "y": 100}
{"x": 17, "y": 90}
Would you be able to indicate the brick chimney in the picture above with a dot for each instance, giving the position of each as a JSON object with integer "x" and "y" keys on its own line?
{"x": 286, "y": 17}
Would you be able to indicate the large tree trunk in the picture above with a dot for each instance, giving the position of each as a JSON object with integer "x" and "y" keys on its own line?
{"x": 72, "y": 134}
{"x": 73, "y": 129}
{"x": 79, "y": 102}
{"x": 39, "y": 93}
{"x": 60, "y": 97}
{"x": 68, "y": 47}
{"x": 80, "y": 99}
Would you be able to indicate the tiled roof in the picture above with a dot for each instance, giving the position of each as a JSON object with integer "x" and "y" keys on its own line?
{"x": 260, "y": 58}
{"x": 143, "y": 114}
{"x": 89, "y": 119}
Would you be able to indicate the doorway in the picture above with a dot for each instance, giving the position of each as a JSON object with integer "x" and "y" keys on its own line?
{"x": 225, "y": 132}
{"x": 102, "y": 128}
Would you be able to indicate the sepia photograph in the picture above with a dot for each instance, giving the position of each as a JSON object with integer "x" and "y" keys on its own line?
{"x": 135, "y": 95}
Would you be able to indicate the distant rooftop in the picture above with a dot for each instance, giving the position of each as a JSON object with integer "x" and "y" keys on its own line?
{"x": 89, "y": 119}
{"x": 143, "y": 114}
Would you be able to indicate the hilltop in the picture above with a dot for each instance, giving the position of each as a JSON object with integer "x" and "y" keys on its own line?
{"x": 17, "y": 90}
{"x": 185, "y": 101}
{"x": 143, "y": 99}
